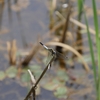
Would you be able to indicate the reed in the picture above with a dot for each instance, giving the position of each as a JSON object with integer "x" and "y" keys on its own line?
{"x": 96, "y": 26}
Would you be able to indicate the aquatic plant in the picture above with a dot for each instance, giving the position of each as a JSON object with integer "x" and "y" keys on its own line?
{"x": 96, "y": 25}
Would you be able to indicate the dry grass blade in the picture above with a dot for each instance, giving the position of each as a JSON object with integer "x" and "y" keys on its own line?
{"x": 76, "y": 23}
{"x": 65, "y": 28}
{"x": 29, "y": 57}
{"x": 72, "y": 50}
{"x": 32, "y": 77}
{"x": 57, "y": 26}
{"x": 81, "y": 25}
{"x": 41, "y": 76}
{"x": 11, "y": 48}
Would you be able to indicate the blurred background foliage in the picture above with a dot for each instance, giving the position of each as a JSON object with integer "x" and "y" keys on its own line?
{"x": 68, "y": 26}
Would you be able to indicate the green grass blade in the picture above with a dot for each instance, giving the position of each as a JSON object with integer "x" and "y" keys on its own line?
{"x": 80, "y": 9}
{"x": 97, "y": 41}
{"x": 91, "y": 51}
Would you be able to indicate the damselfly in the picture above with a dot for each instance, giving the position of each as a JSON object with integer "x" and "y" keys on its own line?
{"x": 54, "y": 53}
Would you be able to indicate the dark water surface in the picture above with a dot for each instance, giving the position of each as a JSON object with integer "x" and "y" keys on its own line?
{"x": 24, "y": 26}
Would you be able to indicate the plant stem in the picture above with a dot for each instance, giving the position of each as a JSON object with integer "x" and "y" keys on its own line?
{"x": 34, "y": 87}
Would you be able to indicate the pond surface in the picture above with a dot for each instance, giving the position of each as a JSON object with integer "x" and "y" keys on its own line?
{"x": 25, "y": 24}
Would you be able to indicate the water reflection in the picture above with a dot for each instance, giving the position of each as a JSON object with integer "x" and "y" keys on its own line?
{"x": 1, "y": 11}
{"x": 10, "y": 19}
{"x": 23, "y": 38}
{"x": 23, "y": 20}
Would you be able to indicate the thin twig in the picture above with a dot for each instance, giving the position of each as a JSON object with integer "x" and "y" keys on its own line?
{"x": 32, "y": 77}
{"x": 29, "y": 57}
{"x": 62, "y": 40}
{"x": 34, "y": 87}
{"x": 75, "y": 22}
{"x": 34, "y": 94}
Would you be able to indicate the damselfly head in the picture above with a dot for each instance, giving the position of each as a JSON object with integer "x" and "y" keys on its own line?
{"x": 41, "y": 43}
{"x": 44, "y": 45}
{"x": 53, "y": 52}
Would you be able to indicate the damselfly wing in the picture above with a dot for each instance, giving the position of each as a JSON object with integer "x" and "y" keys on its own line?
{"x": 54, "y": 53}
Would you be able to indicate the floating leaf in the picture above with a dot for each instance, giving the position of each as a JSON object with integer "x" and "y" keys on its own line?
{"x": 62, "y": 75}
{"x": 11, "y": 72}
{"x": 37, "y": 73}
{"x": 61, "y": 92}
{"x": 2, "y": 75}
{"x": 35, "y": 67}
{"x": 25, "y": 77}
{"x": 25, "y": 69}
{"x": 52, "y": 85}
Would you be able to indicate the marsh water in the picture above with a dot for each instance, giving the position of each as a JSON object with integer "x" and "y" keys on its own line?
{"x": 26, "y": 24}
